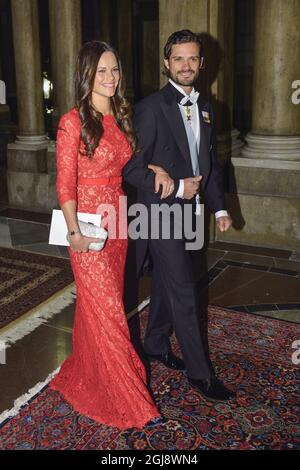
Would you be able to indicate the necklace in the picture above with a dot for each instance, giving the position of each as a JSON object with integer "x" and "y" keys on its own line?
{"x": 187, "y": 111}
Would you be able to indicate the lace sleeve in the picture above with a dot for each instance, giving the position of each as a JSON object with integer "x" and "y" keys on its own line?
{"x": 67, "y": 146}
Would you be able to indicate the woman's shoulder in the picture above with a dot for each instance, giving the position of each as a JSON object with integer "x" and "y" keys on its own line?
{"x": 70, "y": 119}
{"x": 71, "y": 115}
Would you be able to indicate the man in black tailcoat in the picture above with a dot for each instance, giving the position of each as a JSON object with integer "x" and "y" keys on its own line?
{"x": 177, "y": 152}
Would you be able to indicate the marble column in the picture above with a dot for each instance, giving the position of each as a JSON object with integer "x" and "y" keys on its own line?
{"x": 124, "y": 46}
{"x": 4, "y": 139}
{"x": 221, "y": 62}
{"x": 275, "y": 130}
{"x": 4, "y": 109}
{"x": 265, "y": 190}
{"x": 65, "y": 40}
{"x": 146, "y": 47}
{"x": 103, "y": 26}
{"x": 30, "y": 179}
{"x": 28, "y": 73}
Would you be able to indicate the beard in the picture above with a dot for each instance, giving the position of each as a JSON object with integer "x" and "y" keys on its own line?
{"x": 179, "y": 80}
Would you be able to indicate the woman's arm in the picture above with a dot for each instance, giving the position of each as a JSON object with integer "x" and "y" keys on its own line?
{"x": 163, "y": 179}
{"x": 138, "y": 171}
{"x": 67, "y": 146}
{"x": 157, "y": 169}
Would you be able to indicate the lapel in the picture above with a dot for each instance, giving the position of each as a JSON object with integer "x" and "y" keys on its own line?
{"x": 172, "y": 113}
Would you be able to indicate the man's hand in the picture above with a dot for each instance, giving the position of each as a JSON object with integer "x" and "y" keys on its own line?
{"x": 224, "y": 223}
{"x": 191, "y": 187}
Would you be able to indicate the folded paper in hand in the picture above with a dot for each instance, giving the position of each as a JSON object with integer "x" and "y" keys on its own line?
{"x": 89, "y": 225}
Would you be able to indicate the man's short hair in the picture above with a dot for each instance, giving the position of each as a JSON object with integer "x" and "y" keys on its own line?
{"x": 181, "y": 37}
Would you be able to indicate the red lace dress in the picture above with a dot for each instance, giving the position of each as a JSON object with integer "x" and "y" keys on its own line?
{"x": 104, "y": 377}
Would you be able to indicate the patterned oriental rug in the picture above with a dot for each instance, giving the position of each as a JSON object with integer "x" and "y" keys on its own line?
{"x": 27, "y": 280}
{"x": 252, "y": 355}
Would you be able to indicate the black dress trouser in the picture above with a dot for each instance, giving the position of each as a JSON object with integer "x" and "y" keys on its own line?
{"x": 173, "y": 305}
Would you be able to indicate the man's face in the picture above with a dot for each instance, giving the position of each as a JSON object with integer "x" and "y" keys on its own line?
{"x": 184, "y": 63}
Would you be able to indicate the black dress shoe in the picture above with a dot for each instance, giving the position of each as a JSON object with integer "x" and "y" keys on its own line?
{"x": 168, "y": 359}
{"x": 212, "y": 389}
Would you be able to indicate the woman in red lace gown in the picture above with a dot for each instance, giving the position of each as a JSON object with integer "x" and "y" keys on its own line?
{"x": 104, "y": 377}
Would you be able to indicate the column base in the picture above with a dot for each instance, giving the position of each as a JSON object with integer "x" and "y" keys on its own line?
{"x": 264, "y": 203}
{"x": 272, "y": 147}
{"x": 30, "y": 142}
{"x": 31, "y": 175}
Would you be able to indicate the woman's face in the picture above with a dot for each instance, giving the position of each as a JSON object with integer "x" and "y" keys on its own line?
{"x": 107, "y": 75}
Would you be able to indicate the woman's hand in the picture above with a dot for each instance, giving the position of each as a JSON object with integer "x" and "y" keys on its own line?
{"x": 162, "y": 179}
{"x": 157, "y": 169}
{"x": 80, "y": 243}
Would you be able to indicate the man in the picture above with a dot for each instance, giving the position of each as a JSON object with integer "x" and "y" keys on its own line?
{"x": 175, "y": 131}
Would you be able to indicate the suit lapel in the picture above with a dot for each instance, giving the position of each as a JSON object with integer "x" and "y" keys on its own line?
{"x": 173, "y": 116}
{"x": 172, "y": 113}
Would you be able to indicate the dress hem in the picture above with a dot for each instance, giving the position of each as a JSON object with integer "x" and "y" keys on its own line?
{"x": 84, "y": 412}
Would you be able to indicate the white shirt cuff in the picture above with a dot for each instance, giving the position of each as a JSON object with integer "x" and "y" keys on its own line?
{"x": 180, "y": 190}
{"x": 221, "y": 214}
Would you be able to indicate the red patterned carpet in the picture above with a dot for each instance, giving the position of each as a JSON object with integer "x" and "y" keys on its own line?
{"x": 251, "y": 354}
{"x": 28, "y": 279}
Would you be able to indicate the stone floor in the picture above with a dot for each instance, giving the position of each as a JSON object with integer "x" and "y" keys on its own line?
{"x": 248, "y": 279}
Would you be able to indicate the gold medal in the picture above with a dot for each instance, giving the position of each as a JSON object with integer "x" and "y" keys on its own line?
{"x": 188, "y": 115}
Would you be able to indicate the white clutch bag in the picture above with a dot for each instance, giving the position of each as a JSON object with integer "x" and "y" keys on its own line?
{"x": 89, "y": 225}
{"x": 88, "y": 229}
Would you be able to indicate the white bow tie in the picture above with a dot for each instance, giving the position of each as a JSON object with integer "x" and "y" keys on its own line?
{"x": 193, "y": 97}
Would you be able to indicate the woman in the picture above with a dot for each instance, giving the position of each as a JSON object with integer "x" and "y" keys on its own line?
{"x": 104, "y": 377}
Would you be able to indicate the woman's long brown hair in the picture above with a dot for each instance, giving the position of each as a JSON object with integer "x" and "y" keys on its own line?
{"x": 91, "y": 120}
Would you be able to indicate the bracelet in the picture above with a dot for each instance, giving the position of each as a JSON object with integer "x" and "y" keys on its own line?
{"x": 73, "y": 232}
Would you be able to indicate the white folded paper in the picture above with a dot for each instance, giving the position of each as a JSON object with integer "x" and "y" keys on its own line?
{"x": 59, "y": 229}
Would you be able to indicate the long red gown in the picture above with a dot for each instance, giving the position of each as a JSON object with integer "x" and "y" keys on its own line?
{"x": 104, "y": 377}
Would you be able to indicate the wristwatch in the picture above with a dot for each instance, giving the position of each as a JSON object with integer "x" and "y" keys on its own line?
{"x": 73, "y": 232}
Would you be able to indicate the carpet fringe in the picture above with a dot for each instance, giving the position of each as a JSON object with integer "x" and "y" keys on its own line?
{"x": 41, "y": 314}
{"x": 46, "y": 312}
{"x": 139, "y": 308}
{"x": 24, "y": 399}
